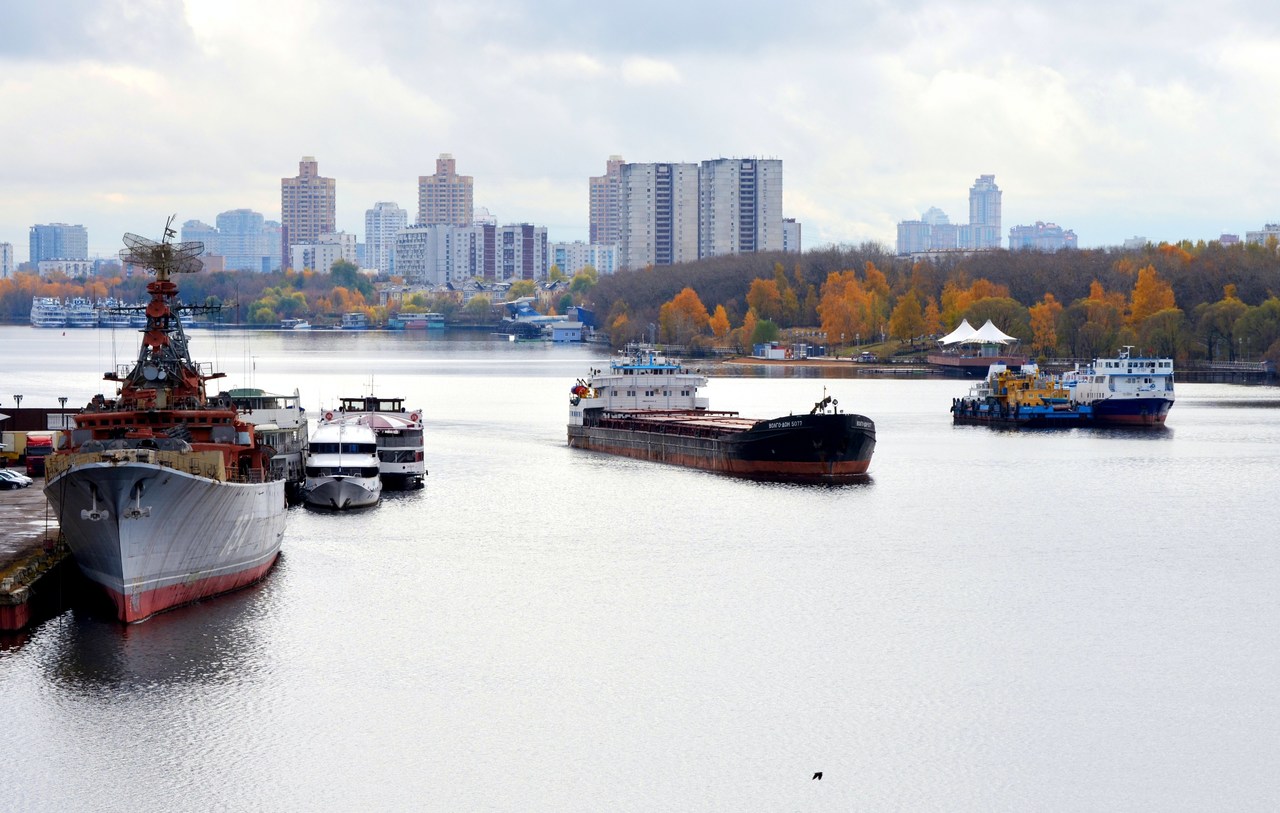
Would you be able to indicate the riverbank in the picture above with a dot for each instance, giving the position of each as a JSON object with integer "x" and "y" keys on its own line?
{"x": 32, "y": 557}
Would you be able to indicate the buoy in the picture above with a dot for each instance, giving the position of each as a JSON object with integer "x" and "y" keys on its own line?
{"x": 328, "y": 416}
{"x": 413, "y": 416}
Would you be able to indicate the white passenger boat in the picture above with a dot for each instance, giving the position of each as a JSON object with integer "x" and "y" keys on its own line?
{"x": 81, "y": 313}
{"x": 342, "y": 466}
{"x": 47, "y": 311}
{"x": 1125, "y": 390}
{"x": 401, "y": 460}
{"x": 280, "y": 424}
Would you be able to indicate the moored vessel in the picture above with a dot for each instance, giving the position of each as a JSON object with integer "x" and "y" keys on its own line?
{"x": 647, "y": 406}
{"x": 163, "y": 495}
{"x": 342, "y": 466}
{"x": 48, "y": 311}
{"x": 398, "y": 431}
{"x": 1024, "y": 397}
{"x": 1126, "y": 390}
{"x": 279, "y": 423}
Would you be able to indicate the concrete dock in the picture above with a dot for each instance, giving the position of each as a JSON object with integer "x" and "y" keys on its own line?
{"x": 30, "y": 552}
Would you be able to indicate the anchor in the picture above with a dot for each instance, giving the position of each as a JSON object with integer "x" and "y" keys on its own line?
{"x": 94, "y": 514}
{"x": 137, "y": 511}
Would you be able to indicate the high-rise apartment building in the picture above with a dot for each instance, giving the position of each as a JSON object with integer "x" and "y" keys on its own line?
{"x": 197, "y": 231}
{"x": 246, "y": 242}
{"x": 1041, "y": 237}
{"x": 571, "y": 258}
{"x": 381, "y": 224}
{"x": 983, "y": 229}
{"x": 521, "y": 252}
{"x": 6, "y": 260}
{"x": 606, "y": 203}
{"x": 446, "y": 197}
{"x": 59, "y": 241}
{"x": 739, "y": 206}
{"x": 790, "y": 235}
{"x": 659, "y": 214}
{"x": 308, "y": 207}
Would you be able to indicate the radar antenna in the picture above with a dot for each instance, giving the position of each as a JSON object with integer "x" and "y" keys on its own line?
{"x": 165, "y": 257}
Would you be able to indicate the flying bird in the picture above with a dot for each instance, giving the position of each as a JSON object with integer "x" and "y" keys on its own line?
{"x": 817, "y": 775}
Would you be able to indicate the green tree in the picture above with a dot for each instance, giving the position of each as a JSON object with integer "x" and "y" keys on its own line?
{"x": 521, "y": 287}
{"x": 907, "y": 320}
{"x": 347, "y": 275}
{"x": 479, "y": 308}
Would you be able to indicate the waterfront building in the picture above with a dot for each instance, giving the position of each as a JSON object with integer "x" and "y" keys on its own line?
{"x": 381, "y": 224}
{"x": 1261, "y": 236}
{"x": 346, "y": 245}
{"x": 606, "y": 204}
{"x": 59, "y": 241}
{"x": 308, "y": 206}
{"x": 659, "y": 214}
{"x": 790, "y": 235}
{"x": 739, "y": 206}
{"x": 6, "y": 260}
{"x": 443, "y": 254}
{"x": 247, "y": 242}
{"x": 572, "y": 257}
{"x": 78, "y": 269}
{"x": 983, "y": 228}
{"x": 445, "y": 198}
{"x": 1041, "y": 237}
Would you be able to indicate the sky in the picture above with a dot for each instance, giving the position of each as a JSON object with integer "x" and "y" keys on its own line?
{"x": 1114, "y": 119}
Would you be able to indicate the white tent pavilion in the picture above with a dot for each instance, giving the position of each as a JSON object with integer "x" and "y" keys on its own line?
{"x": 990, "y": 334}
{"x": 963, "y": 333}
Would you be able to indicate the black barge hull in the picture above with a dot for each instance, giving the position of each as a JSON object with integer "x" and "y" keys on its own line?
{"x": 823, "y": 448}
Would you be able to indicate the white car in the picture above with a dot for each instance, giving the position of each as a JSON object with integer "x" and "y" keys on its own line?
{"x": 13, "y": 479}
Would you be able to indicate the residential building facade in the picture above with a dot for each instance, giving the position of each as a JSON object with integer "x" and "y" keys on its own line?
{"x": 6, "y": 260}
{"x": 791, "y": 235}
{"x": 308, "y": 207}
{"x": 1260, "y": 237}
{"x": 983, "y": 228}
{"x": 739, "y": 206}
{"x": 1041, "y": 237}
{"x": 606, "y": 203}
{"x": 59, "y": 241}
{"x": 381, "y": 224}
{"x": 197, "y": 231}
{"x": 659, "y": 214}
{"x": 572, "y": 257}
{"x": 445, "y": 198}
{"x": 247, "y": 241}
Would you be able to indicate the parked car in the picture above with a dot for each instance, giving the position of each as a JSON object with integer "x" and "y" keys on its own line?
{"x": 12, "y": 479}
{"x": 868, "y": 358}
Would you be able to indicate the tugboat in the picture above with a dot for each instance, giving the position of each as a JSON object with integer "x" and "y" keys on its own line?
{"x": 1024, "y": 397}
{"x": 1125, "y": 390}
{"x": 647, "y": 406}
{"x": 162, "y": 494}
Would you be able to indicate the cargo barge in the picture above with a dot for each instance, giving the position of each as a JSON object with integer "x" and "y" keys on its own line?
{"x": 647, "y": 407}
{"x": 1022, "y": 398}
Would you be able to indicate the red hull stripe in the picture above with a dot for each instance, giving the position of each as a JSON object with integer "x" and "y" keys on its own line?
{"x": 763, "y": 469}
{"x": 146, "y": 604}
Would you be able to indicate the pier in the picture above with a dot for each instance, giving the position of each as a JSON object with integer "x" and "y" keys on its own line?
{"x": 33, "y": 559}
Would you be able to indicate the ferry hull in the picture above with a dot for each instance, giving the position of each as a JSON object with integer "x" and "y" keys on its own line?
{"x": 1132, "y": 411}
{"x": 801, "y": 449}
{"x": 155, "y": 538}
{"x": 340, "y": 494}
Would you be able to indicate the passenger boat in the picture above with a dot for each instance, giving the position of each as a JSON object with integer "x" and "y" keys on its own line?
{"x": 355, "y": 321}
{"x": 1024, "y": 397}
{"x": 295, "y": 324}
{"x": 401, "y": 461}
{"x": 1124, "y": 390}
{"x": 416, "y": 321}
{"x": 81, "y": 313}
{"x": 47, "y": 311}
{"x": 162, "y": 494}
{"x": 647, "y": 406}
{"x": 342, "y": 466}
{"x": 113, "y": 314}
{"x": 279, "y": 423}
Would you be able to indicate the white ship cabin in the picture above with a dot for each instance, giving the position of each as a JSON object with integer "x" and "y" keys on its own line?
{"x": 641, "y": 380}
{"x": 1123, "y": 375}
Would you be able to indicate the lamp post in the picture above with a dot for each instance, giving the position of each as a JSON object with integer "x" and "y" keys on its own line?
{"x": 17, "y": 399}
{"x": 62, "y": 400}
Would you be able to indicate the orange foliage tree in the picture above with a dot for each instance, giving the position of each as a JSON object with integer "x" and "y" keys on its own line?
{"x": 1044, "y": 324}
{"x": 1151, "y": 294}
{"x": 720, "y": 324}
{"x": 683, "y": 317}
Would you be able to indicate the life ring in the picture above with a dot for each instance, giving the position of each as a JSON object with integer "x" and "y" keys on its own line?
{"x": 328, "y": 416}
{"x": 413, "y": 416}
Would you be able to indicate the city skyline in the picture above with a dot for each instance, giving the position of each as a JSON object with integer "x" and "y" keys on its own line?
{"x": 1169, "y": 141}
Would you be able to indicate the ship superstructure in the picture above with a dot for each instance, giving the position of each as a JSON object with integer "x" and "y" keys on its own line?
{"x": 1127, "y": 390}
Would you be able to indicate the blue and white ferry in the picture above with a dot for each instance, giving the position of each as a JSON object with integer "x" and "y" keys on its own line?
{"x": 1125, "y": 390}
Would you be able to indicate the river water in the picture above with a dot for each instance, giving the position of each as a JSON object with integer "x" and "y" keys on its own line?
{"x": 996, "y": 620}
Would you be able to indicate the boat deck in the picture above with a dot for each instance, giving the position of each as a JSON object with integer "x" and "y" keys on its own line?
{"x": 702, "y": 422}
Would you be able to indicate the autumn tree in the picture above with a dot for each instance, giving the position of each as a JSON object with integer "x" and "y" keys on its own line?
{"x": 764, "y": 298}
{"x": 907, "y": 320}
{"x": 1044, "y": 324}
{"x": 1151, "y": 294}
{"x": 720, "y": 324}
{"x": 683, "y": 318}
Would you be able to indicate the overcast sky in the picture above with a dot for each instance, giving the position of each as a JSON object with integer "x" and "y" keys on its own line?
{"x": 1114, "y": 119}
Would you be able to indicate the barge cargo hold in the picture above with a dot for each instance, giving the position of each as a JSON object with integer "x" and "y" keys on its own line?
{"x": 647, "y": 407}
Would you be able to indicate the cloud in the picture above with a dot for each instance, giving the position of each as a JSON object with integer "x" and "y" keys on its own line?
{"x": 645, "y": 71}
